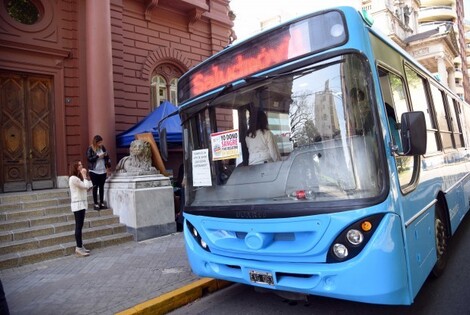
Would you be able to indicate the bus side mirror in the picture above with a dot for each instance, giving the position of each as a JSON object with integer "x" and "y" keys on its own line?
{"x": 163, "y": 145}
{"x": 413, "y": 133}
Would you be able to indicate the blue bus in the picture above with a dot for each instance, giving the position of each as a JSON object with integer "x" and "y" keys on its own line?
{"x": 372, "y": 175}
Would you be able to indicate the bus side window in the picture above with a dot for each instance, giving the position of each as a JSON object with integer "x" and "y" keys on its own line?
{"x": 421, "y": 102}
{"x": 393, "y": 92}
{"x": 453, "y": 107}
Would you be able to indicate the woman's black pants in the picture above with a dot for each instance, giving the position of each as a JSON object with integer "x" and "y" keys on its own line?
{"x": 79, "y": 220}
{"x": 98, "y": 181}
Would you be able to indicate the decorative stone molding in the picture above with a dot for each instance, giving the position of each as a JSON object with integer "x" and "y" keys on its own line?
{"x": 168, "y": 71}
{"x": 150, "y": 5}
{"x": 44, "y": 30}
{"x": 164, "y": 55}
{"x": 194, "y": 16}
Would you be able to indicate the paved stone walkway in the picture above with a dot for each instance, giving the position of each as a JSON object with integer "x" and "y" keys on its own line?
{"x": 110, "y": 280}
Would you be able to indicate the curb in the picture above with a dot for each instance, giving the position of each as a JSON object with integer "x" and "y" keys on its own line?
{"x": 177, "y": 298}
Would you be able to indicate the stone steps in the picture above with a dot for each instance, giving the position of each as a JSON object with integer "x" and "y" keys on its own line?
{"x": 39, "y": 225}
{"x": 55, "y": 251}
{"x": 45, "y": 228}
{"x": 45, "y": 219}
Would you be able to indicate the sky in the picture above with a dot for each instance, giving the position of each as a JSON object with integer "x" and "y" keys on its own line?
{"x": 250, "y": 12}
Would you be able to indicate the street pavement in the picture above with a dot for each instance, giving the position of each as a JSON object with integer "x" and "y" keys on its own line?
{"x": 130, "y": 278}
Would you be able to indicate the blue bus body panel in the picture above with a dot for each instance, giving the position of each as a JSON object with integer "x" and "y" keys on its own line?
{"x": 376, "y": 275}
{"x": 420, "y": 240}
{"x": 466, "y": 197}
{"x": 386, "y": 271}
{"x": 456, "y": 204}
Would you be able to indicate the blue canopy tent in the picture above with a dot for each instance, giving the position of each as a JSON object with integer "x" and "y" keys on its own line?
{"x": 174, "y": 132}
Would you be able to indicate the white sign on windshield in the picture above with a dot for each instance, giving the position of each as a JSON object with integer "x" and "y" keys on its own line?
{"x": 201, "y": 168}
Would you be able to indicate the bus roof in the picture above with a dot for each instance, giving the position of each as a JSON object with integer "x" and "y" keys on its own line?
{"x": 255, "y": 39}
{"x": 256, "y": 36}
{"x": 272, "y": 47}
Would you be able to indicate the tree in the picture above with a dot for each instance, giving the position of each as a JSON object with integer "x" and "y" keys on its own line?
{"x": 303, "y": 130}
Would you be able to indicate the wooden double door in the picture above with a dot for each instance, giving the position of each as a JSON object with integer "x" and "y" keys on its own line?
{"x": 26, "y": 116}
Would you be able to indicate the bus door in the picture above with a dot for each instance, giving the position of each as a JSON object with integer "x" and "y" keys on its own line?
{"x": 405, "y": 191}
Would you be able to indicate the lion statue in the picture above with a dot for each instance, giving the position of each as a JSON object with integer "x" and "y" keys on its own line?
{"x": 139, "y": 162}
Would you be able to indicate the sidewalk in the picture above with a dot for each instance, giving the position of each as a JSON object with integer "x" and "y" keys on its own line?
{"x": 111, "y": 280}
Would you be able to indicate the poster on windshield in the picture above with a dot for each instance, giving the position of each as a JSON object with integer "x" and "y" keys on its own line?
{"x": 225, "y": 145}
{"x": 201, "y": 168}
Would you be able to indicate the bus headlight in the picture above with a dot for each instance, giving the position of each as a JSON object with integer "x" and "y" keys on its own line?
{"x": 350, "y": 242}
{"x": 340, "y": 251}
{"x": 355, "y": 237}
{"x": 197, "y": 237}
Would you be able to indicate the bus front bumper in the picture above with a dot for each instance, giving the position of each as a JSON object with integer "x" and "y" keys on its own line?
{"x": 377, "y": 275}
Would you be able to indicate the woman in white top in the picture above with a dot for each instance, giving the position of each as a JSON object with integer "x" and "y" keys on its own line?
{"x": 79, "y": 185}
{"x": 262, "y": 147}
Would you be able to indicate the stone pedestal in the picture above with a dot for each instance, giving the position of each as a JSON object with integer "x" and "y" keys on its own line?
{"x": 144, "y": 204}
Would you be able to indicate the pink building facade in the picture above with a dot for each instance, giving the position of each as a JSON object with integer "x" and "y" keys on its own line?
{"x": 75, "y": 68}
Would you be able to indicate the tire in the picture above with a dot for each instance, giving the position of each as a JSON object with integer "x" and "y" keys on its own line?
{"x": 442, "y": 245}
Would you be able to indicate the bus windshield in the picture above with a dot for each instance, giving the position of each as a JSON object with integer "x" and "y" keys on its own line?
{"x": 320, "y": 143}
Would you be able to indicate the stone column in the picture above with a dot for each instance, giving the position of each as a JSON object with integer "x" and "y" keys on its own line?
{"x": 99, "y": 59}
{"x": 451, "y": 73}
{"x": 442, "y": 70}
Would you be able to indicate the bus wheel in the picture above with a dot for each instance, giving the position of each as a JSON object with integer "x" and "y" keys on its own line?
{"x": 441, "y": 243}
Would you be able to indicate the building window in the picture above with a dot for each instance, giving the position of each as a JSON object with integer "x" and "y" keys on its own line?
{"x": 23, "y": 11}
{"x": 158, "y": 91}
{"x": 163, "y": 85}
{"x": 173, "y": 91}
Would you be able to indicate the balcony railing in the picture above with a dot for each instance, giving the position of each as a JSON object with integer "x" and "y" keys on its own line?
{"x": 430, "y": 3}
{"x": 427, "y": 26}
{"x": 437, "y": 13}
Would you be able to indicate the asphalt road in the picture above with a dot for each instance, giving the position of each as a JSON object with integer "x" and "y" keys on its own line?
{"x": 447, "y": 295}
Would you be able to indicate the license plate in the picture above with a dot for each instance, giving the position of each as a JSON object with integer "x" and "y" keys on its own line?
{"x": 261, "y": 277}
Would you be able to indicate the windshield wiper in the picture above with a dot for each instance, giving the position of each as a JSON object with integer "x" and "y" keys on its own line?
{"x": 301, "y": 72}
